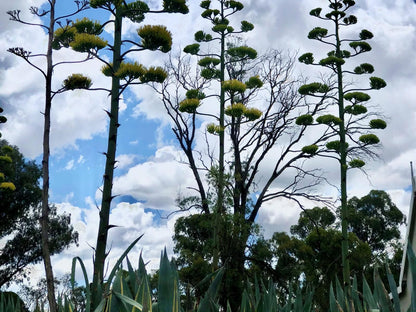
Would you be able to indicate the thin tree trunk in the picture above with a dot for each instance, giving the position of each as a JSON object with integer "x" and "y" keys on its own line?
{"x": 343, "y": 167}
{"x": 45, "y": 167}
{"x": 100, "y": 251}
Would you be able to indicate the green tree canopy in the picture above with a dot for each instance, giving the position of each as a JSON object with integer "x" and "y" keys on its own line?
{"x": 20, "y": 214}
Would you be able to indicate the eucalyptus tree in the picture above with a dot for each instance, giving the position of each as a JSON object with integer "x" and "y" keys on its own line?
{"x": 48, "y": 21}
{"x": 84, "y": 36}
{"x": 351, "y": 123}
{"x": 251, "y": 104}
{"x": 4, "y": 160}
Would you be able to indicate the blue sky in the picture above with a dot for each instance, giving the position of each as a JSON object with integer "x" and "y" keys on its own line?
{"x": 150, "y": 174}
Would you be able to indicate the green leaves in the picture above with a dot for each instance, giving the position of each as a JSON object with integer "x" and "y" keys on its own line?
{"x": 357, "y": 97}
{"x": 378, "y": 124}
{"x": 192, "y": 49}
{"x": 360, "y": 46}
{"x": 87, "y": 43}
{"x": 312, "y": 88}
{"x": 208, "y": 61}
{"x": 329, "y": 120}
{"x": 175, "y": 6}
{"x": 242, "y": 52}
{"x": 364, "y": 68}
{"x": 355, "y": 109}
{"x": 332, "y": 61}
{"x": 200, "y": 36}
{"x": 189, "y": 105}
{"x": 369, "y": 139}
{"x": 155, "y": 37}
{"x": 366, "y": 34}
{"x": 77, "y": 81}
{"x": 310, "y": 149}
{"x": 234, "y": 85}
{"x": 246, "y": 26}
{"x": 356, "y": 163}
{"x": 130, "y": 70}
{"x": 316, "y": 12}
{"x": 318, "y": 33}
{"x": 235, "y": 109}
{"x": 377, "y": 83}
{"x": 135, "y": 11}
{"x": 304, "y": 120}
{"x": 306, "y": 58}
{"x": 254, "y": 82}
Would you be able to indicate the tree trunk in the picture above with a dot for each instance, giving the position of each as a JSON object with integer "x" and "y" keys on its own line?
{"x": 100, "y": 251}
{"x": 45, "y": 167}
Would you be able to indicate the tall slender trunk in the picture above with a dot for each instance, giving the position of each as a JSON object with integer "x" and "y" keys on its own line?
{"x": 45, "y": 167}
{"x": 100, "y": 251}
{"x": 221, "y": 183}
{"x": 343, "y": 166}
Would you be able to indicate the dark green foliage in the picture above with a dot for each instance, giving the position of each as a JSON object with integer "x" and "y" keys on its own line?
{"x": 316, "y": 12}
{"x": 318, "y": 33}
{"x": 335, "y": 145}
{"x": 369, "y": 139}
{"x": 304, "y": 120}
{"x": 310, "y": 149}
{"x": 11, "y": 302}
{"x": 329, "y": 120}
{"x": 208, "y": 61}
{"x": 195, "y": 94}
{"x": 355, "y": 109}
{"x": 335, "y": 15}
{"x": 331, "y": 61}
{"x": 360, "y": 46}
{"x": 20, "y": 210}
{"x": 246, "y": 26}
{"x": 175, "y": 6}
{"x": 205, "y": 4}
{"x": 254, "y": 82}
{"x": 375, "y": 219}
{"x": 357, "y": 97}
{"x": 350, "y": 20}
{"x": 242, "y": 52}
{"x": 135, "y": 11}
{"x": 377, "y": 83}
{"x": 192, "y": 49}
{"x": 306, "y": 58}
{"x": 364, "y": 69}
{"x": 378, "y": 124}
{"x": 356, "y": 163}
{"x": 365, "y": 34}
{"x": 312, "y": 88}
{"x": 200, "y": 36}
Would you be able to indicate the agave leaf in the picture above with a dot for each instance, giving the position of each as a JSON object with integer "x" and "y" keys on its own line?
{"x": 412, "y": 263}
{"x": 126, "y": 300}
{"x": 356, "y": 297}
{"x": 120, "y": 260}
{"x": 381, "y": 293}
{"x": 393, "y": 289}
{"x": 368, "y": 296}
{"x": 333, "y": 306}
{"x": 84, "y": 273}
{"x": 168, "y": 286}
{"x": 208, "y": 303}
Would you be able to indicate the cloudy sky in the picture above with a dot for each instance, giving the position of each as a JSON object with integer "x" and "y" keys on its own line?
{"x": 150, "y": 175}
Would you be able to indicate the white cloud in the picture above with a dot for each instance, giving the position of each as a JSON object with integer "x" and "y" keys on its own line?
{"x": 69, "y": 165}
{"x": 158, "y": 181}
